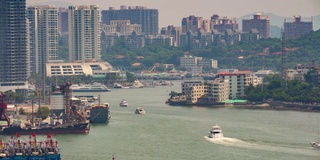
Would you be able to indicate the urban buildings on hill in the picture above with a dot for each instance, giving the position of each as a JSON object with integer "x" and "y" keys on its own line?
{"x": 43, "y": 27}
{"x": 14, "y": 46}
{"x": 84, "y": 33}
{"x": 147, "y": 18}
{"x": 297, "y": 27}
{"x": 260, "y": 22}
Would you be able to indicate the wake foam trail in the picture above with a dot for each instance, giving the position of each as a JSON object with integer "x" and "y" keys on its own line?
{"x": 234, "y": 142}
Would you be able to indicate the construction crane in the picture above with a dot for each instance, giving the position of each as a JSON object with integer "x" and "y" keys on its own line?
{"x": 3, "y": 108}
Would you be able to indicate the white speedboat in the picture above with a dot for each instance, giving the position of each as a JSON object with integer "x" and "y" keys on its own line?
{"x": 124, "y": 103}
{"x": 315, "y": 145}
{"x": 215, "y": 132}
{"x": 140, "y": 110}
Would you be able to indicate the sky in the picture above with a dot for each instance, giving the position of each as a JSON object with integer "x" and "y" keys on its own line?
{"x": 171, "y": 12}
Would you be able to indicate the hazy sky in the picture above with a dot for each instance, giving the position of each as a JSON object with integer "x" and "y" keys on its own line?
{"x": 172, "y": 11}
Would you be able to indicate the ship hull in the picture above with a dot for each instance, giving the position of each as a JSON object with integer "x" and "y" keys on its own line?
{"x": 70, "y": 129}
{"x": 99, "y": 115}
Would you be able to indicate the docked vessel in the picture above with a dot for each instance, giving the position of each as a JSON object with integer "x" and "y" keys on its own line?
{"x": 140, "y": 110}
{"x": 215, "y": 132}
{"x": 66, "y": 117}
{"x": 78, "y": 128}
{"x": 33, "y": 149}
{"x": 136, "y": 84}
{"x": 117, "y": 85}
{"x": 124, "y": 103}
{"x": 95, "y": 87}
{"x": 99, "y": 113}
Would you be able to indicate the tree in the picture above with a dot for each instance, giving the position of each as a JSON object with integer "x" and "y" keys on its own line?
{"x": 43, "y": 112}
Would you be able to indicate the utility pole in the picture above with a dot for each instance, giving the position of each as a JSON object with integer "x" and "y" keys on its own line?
{"x": 283, "y": 62}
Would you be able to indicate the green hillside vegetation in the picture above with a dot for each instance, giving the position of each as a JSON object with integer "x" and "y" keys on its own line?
{"x": 291, "y": 91}
{"x": 227, "y": 56}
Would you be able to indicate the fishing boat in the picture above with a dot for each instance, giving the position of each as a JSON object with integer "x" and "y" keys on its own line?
{"x": 124, "y": 103}
{"x": 215, "y": 132}
{"x": 140, "y": 110}
{"x": 33, "y": 148}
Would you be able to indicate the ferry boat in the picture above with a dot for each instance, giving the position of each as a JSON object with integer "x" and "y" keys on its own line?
{"x": 33, "y": 149}
{"x": 215, "y": 132}
{"x": 140, "y": 110}
{"x": 124, "y": 103}
{"x": 95, "y": 87}
{"x": 99, "y": 113}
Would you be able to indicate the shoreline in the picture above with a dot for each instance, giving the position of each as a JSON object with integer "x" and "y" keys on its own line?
{"x": 274, "y": 105}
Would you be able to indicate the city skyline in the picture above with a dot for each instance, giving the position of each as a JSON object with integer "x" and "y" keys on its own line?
{"x": 206, "y": 8}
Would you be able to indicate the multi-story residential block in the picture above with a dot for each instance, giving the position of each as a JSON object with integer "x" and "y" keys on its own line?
{"x": 174, "y": 32}
{"x": 222, "y": 24}
{"x": 297, "y": 27}
{"x": 121, "y": 27}
{"x": 260, "y": 22}
{"x": 14, "y": 46}
{"x": 217, "y": 90}
{"x": 250, "y": 36}
{"x": 193, "y": 23}
{"x": 63, "y": 21}
{"x": 43, "y": 27}
{"x": 208, "y": 63}
{"x": 147, "y": 18}
{"x": 238, "y": 80}
{"x": 159, "y": 40}
{"x": 189, "y": 61}
{"x": 84, "y": 33}
{"x": 211, "y": 92}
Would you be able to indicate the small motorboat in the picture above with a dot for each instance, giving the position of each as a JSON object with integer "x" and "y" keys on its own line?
{"x": 315, "y": 145}
{"x": 215, "y": 132}
{"x": 124, "y": 103}
{"x": 140, "y": 110}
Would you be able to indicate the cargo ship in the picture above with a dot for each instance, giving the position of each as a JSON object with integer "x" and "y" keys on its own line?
{"x": 66, "y": 117}
{"x": 99, "y": 113}
{"x": 33, "y": 149}
{"x": 16, "y": 128}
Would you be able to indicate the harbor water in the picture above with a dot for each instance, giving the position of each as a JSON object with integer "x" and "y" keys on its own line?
{"x": 179, "y": 132}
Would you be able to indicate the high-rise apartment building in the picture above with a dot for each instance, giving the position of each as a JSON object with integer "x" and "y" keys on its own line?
{"x": 222, "y": 24}
{"x": 172, "y": 31}
{"x": 84, "y": 33}
{"x": 14, "y": 50}
{"x": 193, "y": 24}
{"x": 63, "y": 21}
{"x": 43, "y": 27}
{"x": 260, "y": 22}
{"x": 148, "y": 18}
{"x": 297, "y": 27}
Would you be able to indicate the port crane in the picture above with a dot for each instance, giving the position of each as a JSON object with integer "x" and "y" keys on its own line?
{"x": 3, "y": 108}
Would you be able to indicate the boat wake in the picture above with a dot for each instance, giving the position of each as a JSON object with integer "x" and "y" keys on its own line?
{"x": 234, "y": 142}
